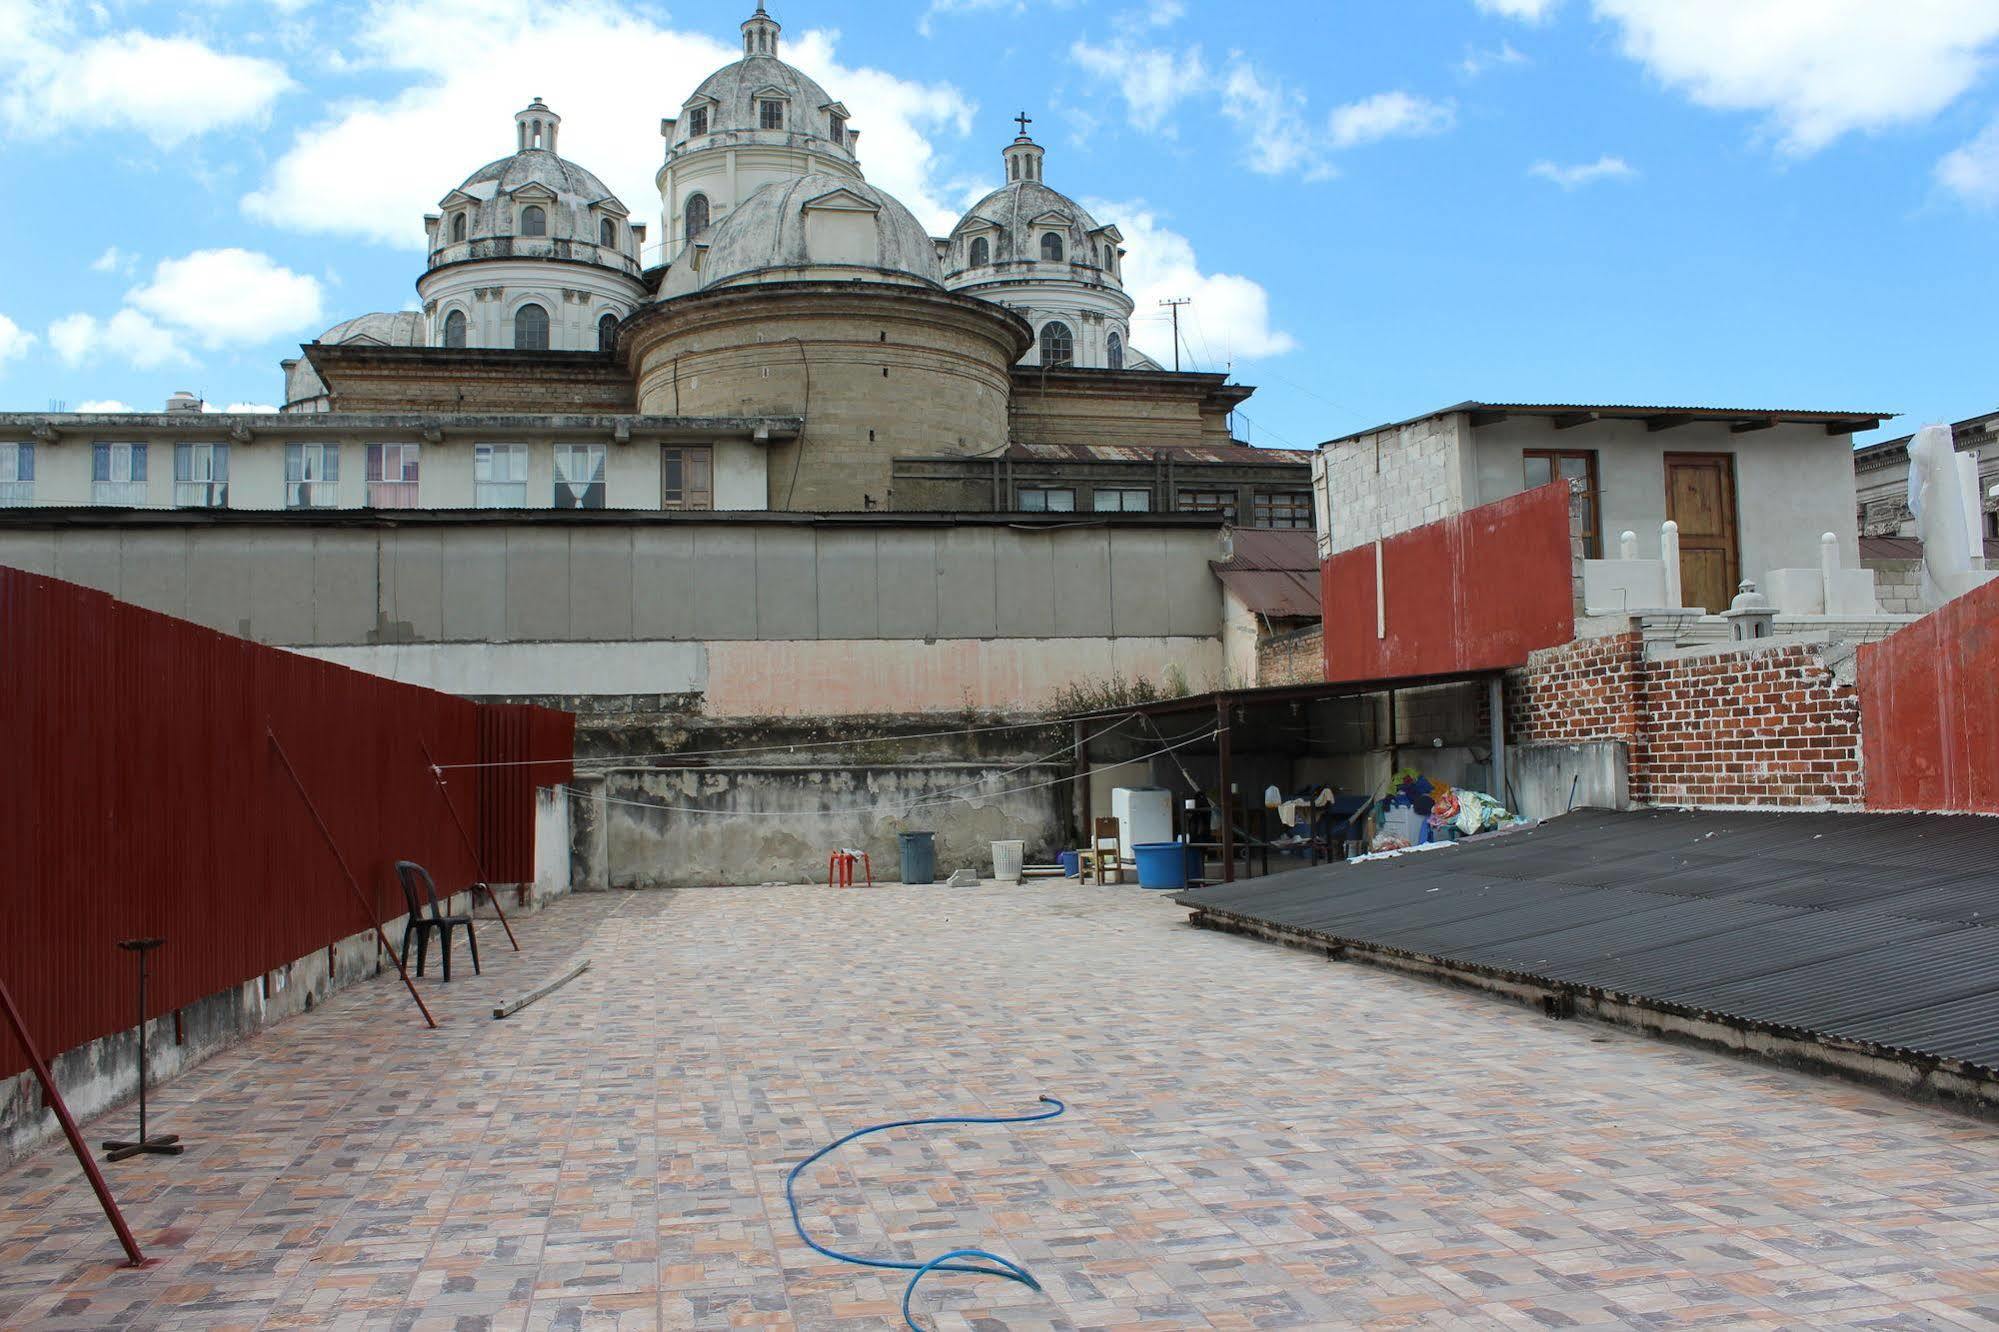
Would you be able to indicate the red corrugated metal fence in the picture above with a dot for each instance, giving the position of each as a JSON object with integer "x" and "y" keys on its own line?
{"x": 1929, "y": 710}
{"x": 140, "y": 795}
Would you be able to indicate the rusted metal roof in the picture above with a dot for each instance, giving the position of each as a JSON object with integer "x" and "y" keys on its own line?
{"x": 1908, "y": 548}
{"x": 1277, "y": 592}
{"x": 1656, "y": 417}
{"x": 1271, "y": 548}
{"x": 1238, "y": 454}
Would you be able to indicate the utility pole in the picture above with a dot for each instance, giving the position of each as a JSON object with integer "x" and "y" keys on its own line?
{"x": 1175, "y": 305}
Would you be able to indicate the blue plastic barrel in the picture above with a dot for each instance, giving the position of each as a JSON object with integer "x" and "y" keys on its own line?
{"x": 1161, "y": 865}
{"x": 919, "y": 856}
{"x": 1071, "y": 862}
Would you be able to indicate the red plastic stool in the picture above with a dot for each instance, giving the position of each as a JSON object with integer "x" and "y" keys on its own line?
{"x": 840, "y": 868}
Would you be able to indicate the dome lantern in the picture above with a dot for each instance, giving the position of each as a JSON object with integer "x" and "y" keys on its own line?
{"x": 535, "y": 127}
{"x": 760, "y": 32}
{"x": 1023, "y": 155}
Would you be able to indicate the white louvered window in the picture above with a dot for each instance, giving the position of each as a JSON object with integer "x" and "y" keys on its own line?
{"x": 500, "y": 476}
{"x": 118, "y": 474}
{"x": 201, "y": 476}
{"x": 312, "y": 476}
{"x": 17, "y": 474}
{"x": 579, "y": 476}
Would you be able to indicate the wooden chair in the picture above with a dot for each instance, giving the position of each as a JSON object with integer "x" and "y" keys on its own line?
{"x": 1106, "y": 850}
{"x": 410, "y": 874}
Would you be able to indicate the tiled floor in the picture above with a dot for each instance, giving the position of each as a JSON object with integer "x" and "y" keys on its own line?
{"x": 1256, "y": 1139}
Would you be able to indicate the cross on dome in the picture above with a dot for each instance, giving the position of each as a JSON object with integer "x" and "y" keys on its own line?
{"x": 1023, "y": 120}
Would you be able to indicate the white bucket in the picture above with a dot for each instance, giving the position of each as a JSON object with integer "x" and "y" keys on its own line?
{"x": 1008, "y": 858}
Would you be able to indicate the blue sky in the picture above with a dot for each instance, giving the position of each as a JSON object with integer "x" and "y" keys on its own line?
{"x": 1378, "y": 206}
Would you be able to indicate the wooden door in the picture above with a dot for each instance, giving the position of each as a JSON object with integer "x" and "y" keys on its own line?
{"x": 1700, "y": 497}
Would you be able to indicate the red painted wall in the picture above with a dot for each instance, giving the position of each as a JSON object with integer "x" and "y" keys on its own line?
{"x": 1929, "y": 710}
{"x": 140, "y": 795}
{"x": 1475, "y": 592}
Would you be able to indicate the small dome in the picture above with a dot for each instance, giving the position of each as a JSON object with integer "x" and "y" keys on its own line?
{"x": 1015, "y": 220}
{"x": 534, "y": 205}
{"x": 762, "y": 100}
{"x": 401, "y": 328}
{"x": 816, "y": 228}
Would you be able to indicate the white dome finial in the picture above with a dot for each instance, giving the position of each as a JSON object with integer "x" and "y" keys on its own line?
{"x": 535, "y": 127}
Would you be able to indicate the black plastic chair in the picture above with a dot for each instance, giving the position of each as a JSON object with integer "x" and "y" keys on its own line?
{"x": 408, "y": 872}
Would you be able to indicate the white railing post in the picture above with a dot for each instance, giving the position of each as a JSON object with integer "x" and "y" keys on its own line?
{"x": 1669, "y": 554}
{"x": 1627, "y": 546}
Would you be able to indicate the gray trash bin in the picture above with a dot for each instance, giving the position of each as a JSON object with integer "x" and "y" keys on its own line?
{"x": 919, "y": 856}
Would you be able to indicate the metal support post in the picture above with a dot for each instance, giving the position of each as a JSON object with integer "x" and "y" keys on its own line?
{"x": 167, "y": 1144}
{"x": 478, "y": 862}
{"x": 1222, "y": 750}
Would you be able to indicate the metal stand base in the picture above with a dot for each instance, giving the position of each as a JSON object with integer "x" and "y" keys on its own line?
{"x": 167, "y": 1144}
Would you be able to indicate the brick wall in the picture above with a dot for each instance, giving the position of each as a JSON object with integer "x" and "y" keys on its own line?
{"x": 1294, "y": 658}
{"x": 1723, "y": 727}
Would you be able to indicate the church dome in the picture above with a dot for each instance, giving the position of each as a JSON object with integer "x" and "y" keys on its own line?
{"x": 1024, "y": 222}
{"x": 818, "y": 228}
{"x": 534, "y": 205}
{"x": 761, "y": 100}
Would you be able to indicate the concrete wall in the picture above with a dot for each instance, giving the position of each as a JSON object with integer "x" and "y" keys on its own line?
{"x": 761, "y": 617}
{"x": 1793, "y": 482}
{"x": 1389, "y": 481}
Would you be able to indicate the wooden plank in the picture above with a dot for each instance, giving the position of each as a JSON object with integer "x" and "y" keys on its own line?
{"x": 546, "y": 988}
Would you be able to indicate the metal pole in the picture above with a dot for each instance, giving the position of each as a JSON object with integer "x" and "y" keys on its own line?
{"x": 1228, "y": 791}
{"x": 56, "y": 1103}
{"x": 352, "y": 882}
{"x": 1495, "y": 702}
{"x": 478, "y": 862}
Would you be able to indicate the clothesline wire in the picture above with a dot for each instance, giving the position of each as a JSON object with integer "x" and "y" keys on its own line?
{"x": 907, "y": 807}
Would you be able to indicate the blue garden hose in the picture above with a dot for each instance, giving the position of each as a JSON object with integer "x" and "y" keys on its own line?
{"x": 944, "y": 1262}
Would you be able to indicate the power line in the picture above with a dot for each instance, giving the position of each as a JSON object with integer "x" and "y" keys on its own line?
{"x": 1174, "y": 305}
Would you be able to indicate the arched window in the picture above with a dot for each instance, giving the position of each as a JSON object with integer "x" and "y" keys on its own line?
{"x": 607, "y": 332}
{"x": 1110, "y": 260}
{"x": 457, "y": 227}
{"x": 531, "y": 328}
{"x": 1114, "y": 353}
{"x": 697, "y": 215}
{"x": 1058, "y": 344}
{"x": 534, "y": 222}
{"x": 1051, "y": 247}
{"x": 982, "y": 252}
{"x": 454, "y": 329}
{"x": 1013, "y": 169}
{"x": 607, "y": 234}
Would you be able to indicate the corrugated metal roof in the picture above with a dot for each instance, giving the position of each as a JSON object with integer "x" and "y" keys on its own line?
{"x": 1274, "y": 591}
{"x": 1240, "y": 454}
{"x": 1908, "y": 548}
{"x": 1876, "y": 928}
{"x": 1850, "y": 421}
{"x": 1271, "y": 548}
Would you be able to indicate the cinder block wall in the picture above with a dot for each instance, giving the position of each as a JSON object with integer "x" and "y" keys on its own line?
{"x": 1724, "y": 728}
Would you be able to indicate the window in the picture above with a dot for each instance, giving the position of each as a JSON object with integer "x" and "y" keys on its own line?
{"x": 697, "y": 120}
{"x": 17, "y": 474}
{"x": 454, "y": 329}
{"x": 1578, "y": 468}
{"x": 392, "y": 475}
{"x": 1110, "y": 260}
{"x": 1114, "y": 352}
{"x": 607, "y": 234}
{"x": 1058, "y": 344}
{"x": 838, "y": 132}
{"x": 531, "y": 328}
{"x": 770, "y": 114}
{"x": 1281, "y": 508}
{"x": 534, "y": 222}
{"x": 312, "y": 476}
{"x": 982, "y": 252}
{"x": 1047, "y": 499}
{"x": 579, "y": 476}
{"x": 457, "y": 227}
{"x": 697, "y": 215}
{"x": 118, "y": 474}
{"x": 1051, "y": 247}
{"x": 1222, "y": 502}
{"x": 607, "y": 333}
{"x": 1107, "y": 500}
{"x": 500, "y": 476}
{"x": 686, "y": 477}
{"x": 201, "y": 476}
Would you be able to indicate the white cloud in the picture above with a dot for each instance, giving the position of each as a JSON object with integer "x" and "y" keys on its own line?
{"x": 1606, "y": 167}
{"x": 1478, "y": 61}
{"x": 103, "y": 405}
{"x": 127, "y": 336}
{"x": 1528, "y": 11}
{"x": 14, "y": 341}
{"x": 53, "y": 78}
{"x": 373, "y": 168}
{"x": 230, "y": 296}
{"x": 1972, "y": 171}
{"x": 1389, "y": 115}
{"x": 1271, "y": 117}
{"x": 1152, "y": 80}
{"x": 1233, "y": 312}
{"x": 114, "y": 260}
{"x": 1818, "y": 69}
{"x": 242, "y": 409}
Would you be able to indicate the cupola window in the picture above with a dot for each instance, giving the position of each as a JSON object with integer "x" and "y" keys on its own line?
{"x": 457, "y": 227}
{"x": 607, "y": 332}
{"x": 1051, "y": 247}
{"x": 1110, "y": 260}
{"x": 607, "y": 234}
{"x": 982, "y": 252}
{"x": 1114, "y": 353}
{"x": 531, "y": 328}
{"x": 697, "y": 121}
{"x": 1058, "y": 344}
{"x": 770, "y": 114}
{"x": 697, "y": 215}
{"x": 837, "y": 130}
{"x": 534, "y": 221}
{"x": 454, "y": 329}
